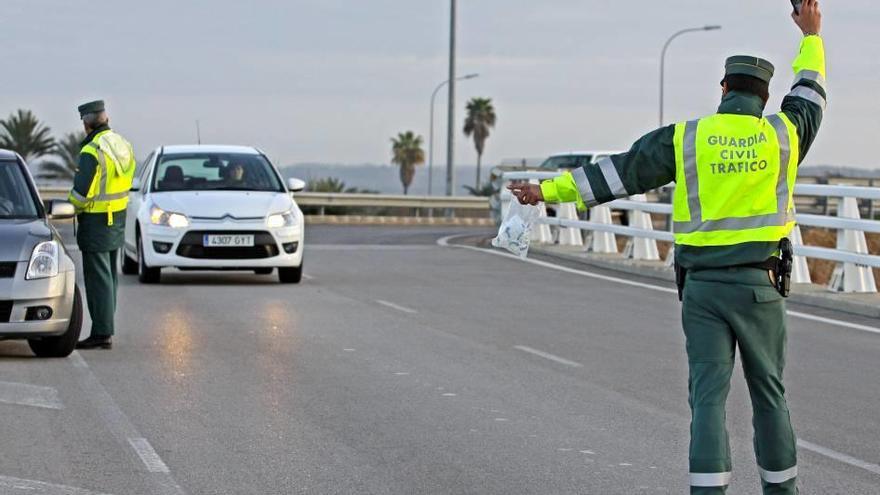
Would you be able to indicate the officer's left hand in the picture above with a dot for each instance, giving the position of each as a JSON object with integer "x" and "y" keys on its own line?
{"x": 527, "y": 194}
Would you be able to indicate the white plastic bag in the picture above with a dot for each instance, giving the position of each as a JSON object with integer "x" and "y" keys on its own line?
{"x": 516, "y": 228}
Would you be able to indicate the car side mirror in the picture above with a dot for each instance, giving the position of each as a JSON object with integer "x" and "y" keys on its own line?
{"x": 295, "y": 185}
{"x": 60, "y": 210}
{"x": 135, "y": 184}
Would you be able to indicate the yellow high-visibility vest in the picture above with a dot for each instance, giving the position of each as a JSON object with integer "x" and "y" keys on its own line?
{"x": 112, "y": 181}
{"x": 735, "y": 177}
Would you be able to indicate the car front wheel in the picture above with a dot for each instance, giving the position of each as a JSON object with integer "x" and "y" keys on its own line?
{"x": 64, "y": 344}
{"x": 290, "y": 275}
{"x": 146, "y": 274}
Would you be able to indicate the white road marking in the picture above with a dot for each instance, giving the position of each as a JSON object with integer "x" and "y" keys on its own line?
{"x": 830, "y": 321}
{"x": 122, "y": 429}
{"x": 348, "y": 350}
{"x": 547, "y": 355}
{"x": 308, "y": 277}
{"x": 401, "y": 373}
{"x": 23, "y": 394}
{"x": 370, "y": 247}
{"x": 148, "y": 455}
{"x": 449, "y": 395}
{"x": 444, "y": 242}
{"x": 397, "y": 307}
{"x": 838, "y": 456}
{"x": 500, "y": 419}
{"x": 11, "y": 486}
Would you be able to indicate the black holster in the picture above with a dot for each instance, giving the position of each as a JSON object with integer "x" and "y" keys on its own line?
{"x": 680, "y": 275}
{"x": 784, "y": 267}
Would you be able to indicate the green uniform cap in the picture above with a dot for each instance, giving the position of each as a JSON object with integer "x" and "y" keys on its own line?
{"x": 749, "y": 66}
{"x": 96, "y": 106}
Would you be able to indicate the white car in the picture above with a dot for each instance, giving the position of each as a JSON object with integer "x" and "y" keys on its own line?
{"x": 212, "y": 208}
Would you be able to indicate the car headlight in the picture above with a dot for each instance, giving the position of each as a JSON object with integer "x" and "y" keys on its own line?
{"x": 158, "y": 216}
{"x": 44, "y": 261}
{"x": 277, "y": 220}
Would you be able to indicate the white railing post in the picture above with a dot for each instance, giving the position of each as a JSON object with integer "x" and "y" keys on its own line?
{"x": 800, "y": 271}
{"x": 569, "y": 236}
{"x": 542, "y": 234}
{"x": 849, "y": 277}
{"x": 602, "y": 242}
{"x": 641, "y": 248}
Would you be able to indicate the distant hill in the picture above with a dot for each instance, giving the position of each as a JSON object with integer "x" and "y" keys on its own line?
{"x": 384, "y": 178}
{"x": 826, "y": 171}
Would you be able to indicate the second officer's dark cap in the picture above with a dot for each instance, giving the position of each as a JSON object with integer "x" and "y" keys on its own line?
{"x": 96, "y": 106}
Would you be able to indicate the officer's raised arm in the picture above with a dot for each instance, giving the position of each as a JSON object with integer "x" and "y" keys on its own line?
{"x": 805, "y": 104}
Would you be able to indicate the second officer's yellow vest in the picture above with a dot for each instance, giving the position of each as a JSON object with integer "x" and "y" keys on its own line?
{"x": 112, "y": 181}
{"x": 735, "y": 177}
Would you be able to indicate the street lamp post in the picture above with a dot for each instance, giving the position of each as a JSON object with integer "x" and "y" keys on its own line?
{"x": 450, "y": 124}
{"x": 431, "y": 133}
{"x": 663, "y": 58}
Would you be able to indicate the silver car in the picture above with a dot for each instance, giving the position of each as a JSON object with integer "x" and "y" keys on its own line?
{"x": 39, "y": 298}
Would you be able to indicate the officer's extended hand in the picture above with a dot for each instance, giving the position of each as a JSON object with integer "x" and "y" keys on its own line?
{"x": 527, "y": 194}
{"x": 810, "y": 18}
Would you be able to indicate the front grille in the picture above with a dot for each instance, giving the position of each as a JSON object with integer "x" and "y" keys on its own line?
{"x": 5, "y": 311}
{"x": 7, "y": 269}
{"x": 191, "y": 246}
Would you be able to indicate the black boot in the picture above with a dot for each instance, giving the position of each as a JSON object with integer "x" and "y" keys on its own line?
{"x": 95, "y": 342}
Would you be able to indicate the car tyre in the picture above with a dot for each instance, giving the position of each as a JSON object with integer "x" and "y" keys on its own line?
{"x": 129, "y": 266}
{"x": 62, "y": 345}
{"x": 263, "y": 271}
{"x": 146, "y": 274}
{"x": 291, "y": 274}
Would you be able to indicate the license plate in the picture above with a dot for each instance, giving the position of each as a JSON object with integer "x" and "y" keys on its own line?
{"x": 228, "y": 240}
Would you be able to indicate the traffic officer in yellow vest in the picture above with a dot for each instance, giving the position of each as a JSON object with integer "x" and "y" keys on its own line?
{"x": 735, "y": 173}
{"x": 100, "y": 195}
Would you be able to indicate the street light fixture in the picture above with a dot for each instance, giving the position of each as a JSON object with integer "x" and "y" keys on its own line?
{"x": 663, "y": 58}
{"x": 431, "y": 133}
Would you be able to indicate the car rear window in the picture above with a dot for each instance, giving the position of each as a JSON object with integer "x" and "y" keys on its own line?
{"x": 566, "y": 161}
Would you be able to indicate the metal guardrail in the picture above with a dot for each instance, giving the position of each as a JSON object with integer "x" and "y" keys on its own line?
{"x": 391, "y": 201}
{"x": 852, "y": 276}
{"x": 322, "y": 200}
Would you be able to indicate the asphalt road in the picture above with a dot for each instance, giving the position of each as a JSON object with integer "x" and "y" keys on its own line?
{"x": 400, "y": 366}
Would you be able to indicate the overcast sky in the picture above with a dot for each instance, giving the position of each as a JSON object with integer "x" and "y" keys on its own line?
{"x": 332, "y": 80}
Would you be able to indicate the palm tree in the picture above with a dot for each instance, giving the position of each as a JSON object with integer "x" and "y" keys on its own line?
{"x": 23, "y": 133}
{"x": 407, "y": 152}
{"x": 478, "y": 123}
{"x": 67, "y": 150}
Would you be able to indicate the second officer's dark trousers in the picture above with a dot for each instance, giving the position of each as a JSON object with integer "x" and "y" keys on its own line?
{"x": 101, "y": 281}
{"x": 723, "y": 310}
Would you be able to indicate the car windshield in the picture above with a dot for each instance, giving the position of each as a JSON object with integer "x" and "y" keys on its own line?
{"x": 215, "y": 172}
{"x": 16, "y": 199}
{"x": 565, "y": 161}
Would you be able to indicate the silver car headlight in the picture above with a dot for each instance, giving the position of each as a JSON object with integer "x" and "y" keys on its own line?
{"x": 158, "y": 216}
{"x": 278, "y": 220}
{"x": 44, "y": 261}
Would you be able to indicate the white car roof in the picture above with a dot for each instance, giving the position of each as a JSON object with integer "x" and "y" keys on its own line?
{"x": 593, "y": 152}
{"x": 210, "y": 148}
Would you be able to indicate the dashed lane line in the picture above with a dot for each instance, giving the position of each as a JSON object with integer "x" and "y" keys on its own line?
{"x": 398, "y": 307}
{"x": 24, "y": 394}
{"x": 547, "y": 355}
{"x": 15, "y": 486}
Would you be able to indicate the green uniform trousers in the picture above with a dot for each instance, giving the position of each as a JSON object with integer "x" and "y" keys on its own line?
{"x": 723, "y": 309}
{"x": 102, "y": 281}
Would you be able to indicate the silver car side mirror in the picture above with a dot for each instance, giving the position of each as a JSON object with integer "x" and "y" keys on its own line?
{"x": 60, "y": 210}
{"x": 295, "y": 185}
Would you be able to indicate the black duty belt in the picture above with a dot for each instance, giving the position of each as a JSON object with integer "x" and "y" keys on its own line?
{"x": 780, "y": 268}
